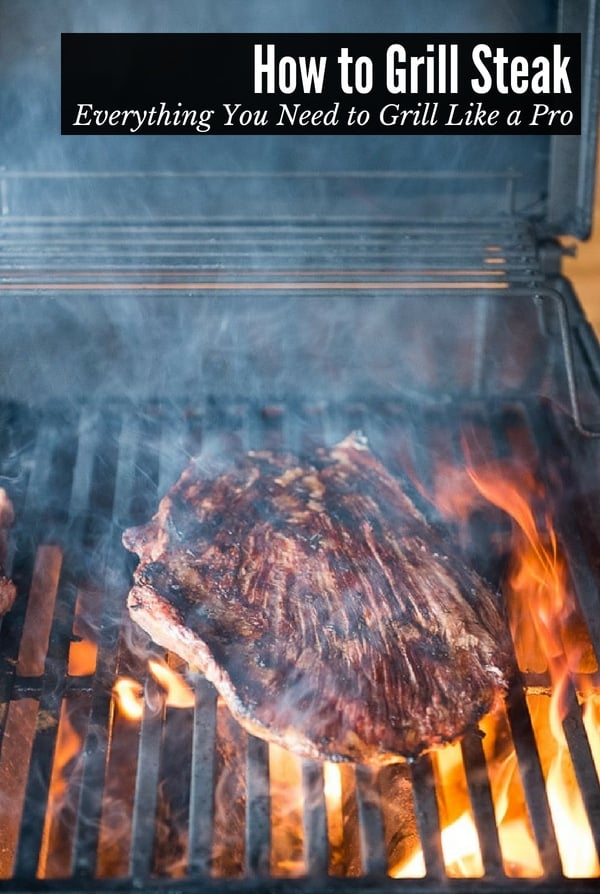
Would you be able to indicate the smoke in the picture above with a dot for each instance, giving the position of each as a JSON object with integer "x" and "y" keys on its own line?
{"x": 158, "y": 214}
{"x": 30, "y": 103}
{"x": 164, "y": 374}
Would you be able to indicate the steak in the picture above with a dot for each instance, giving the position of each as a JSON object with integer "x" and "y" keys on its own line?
{"x": 7, "y": 588}
{"x": 329, "y": 614}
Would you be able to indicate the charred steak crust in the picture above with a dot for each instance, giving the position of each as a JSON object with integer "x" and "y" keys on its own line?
{"x": 7, "y": 588}
{"x": 321, "y": 604}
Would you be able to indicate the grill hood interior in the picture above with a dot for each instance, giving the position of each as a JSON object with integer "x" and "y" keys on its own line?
{"x": 548, "y": 180}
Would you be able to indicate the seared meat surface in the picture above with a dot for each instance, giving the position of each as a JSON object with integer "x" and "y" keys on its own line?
{"x": 7, "y": 588}
{"x": 7, "y": 594}
{"x": 321, "y": 604}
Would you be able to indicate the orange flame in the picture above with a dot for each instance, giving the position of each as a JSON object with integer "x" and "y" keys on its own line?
{"x": 177, "y": 692}
{"x": 129, "y": 697}
{"x": 517, "y": 844}
{"x": 541, "y": 608}
{"x": 460, "y": 843}
{"x": 285, "y": 775}
{"x": 68, "y": 747}
{"x": 591, "y": 722}
{"x": 550, "y": 636}
{"x": 287, "y": 806}
{"x": 82, "y": 658}
{"x": 333, "y": 791}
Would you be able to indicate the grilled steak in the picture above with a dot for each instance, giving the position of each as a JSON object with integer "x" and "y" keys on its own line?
{"x": 7, "y": 594}
{"x": 7, "y": 588}
{"x": 321, "y": 604}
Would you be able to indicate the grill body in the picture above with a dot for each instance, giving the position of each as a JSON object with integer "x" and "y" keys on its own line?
{"x": 296, "y": 292}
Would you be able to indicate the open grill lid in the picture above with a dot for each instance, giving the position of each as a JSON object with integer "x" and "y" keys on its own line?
{"x": 547, "y": 180}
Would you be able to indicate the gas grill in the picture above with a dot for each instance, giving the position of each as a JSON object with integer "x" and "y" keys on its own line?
{"x": 151, "y": 314}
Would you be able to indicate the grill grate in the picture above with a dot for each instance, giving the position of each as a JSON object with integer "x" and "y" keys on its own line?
{"x": 77, "y": 476}
{"x": 93, "y": 253}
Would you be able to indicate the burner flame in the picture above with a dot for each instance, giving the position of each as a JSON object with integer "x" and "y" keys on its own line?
{"x": 550, "y": 638}
{"x": 128, "y": 693}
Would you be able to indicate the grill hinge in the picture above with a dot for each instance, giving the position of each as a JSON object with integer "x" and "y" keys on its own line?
{"x": 551, "y": 253}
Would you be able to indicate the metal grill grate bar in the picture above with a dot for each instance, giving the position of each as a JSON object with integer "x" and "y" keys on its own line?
{"x": 40, "y": 501}
{"x": 113, "y": 477}
{"x": 258, "y": 820}
{"x": 275, "y": 250}
{"x": 201, "y": 820}
{"x": 428, "y": 817}
{"x": 316, "y": 845}
{"x": 583, "y": 763}
{"x": 587, "y": 597}
{"x": 372, "y": 838}
{"x": 481, "y": 802}
{"x": 36, "y": 795}
{"x": 533, "y": 781}
{"x": 146, "y": 784}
